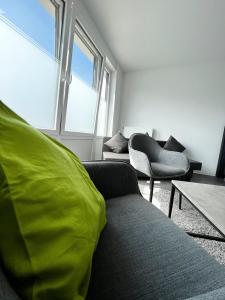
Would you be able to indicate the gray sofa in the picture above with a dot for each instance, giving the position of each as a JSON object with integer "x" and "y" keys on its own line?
{"x": 108, "y": 155}
{"x": 141, "y": 253}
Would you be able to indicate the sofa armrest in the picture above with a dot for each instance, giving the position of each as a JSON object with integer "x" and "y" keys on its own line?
{"x": 113, "y": 179}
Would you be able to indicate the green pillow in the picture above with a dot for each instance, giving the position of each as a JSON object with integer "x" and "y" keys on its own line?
{"x": 51, "y": 214}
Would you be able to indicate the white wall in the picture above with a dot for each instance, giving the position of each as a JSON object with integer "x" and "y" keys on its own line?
{"x": 187, "y": 102}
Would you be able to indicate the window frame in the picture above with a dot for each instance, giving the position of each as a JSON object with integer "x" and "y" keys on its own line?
{"x": 77, "y": 28}
{"x": 107, "y": 99}
{"x": 67, "y": 23}
{"x": 62, "y": 22}
{"x": 98, "y": 57}
{"x": 109, "y": 89}
{"x": 61, "y": 18}
{"x": 60, "y": 34}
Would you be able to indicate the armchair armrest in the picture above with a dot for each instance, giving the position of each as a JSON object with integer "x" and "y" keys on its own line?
{"x": 113, "y": 179}
{"x": 139, "y": 160}
{"x": 175, "y": 159}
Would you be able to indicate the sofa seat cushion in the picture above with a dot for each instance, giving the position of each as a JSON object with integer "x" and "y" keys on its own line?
{"x": 163, "y": 170}
{"x": 144, "y": 255}
{"x": 116, "y": 156}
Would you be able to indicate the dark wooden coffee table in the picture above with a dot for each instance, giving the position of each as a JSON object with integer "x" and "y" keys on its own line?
{"x": 209, "y": 200}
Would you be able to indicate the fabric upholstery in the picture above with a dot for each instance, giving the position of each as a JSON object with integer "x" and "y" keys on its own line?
{"x": 113, "y": 179}
{"x": 139, "y": 160}
{"x": 163, "y": 170}
{"x": 118, "y": 143}
{"x": 107, "y": 154}
{"x": 146, "y": 144}
{"x": 105, "y": 148}
{"x": 173, "y": 145}
{"x": 6, "y": 291}
{"x": 146, "y": 155}
{"x": 195, "y": 165}
{"x": 218, "y": 294}
{"x": 116, "y": 156}
{"x": 51, "y": 214}
{"x": 174, "y": 158}
{"x": 143, "y": 255}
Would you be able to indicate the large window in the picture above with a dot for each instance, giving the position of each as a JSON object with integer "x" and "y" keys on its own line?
{"x": 51, "y": 71}
{"x": 30, "y": 35}
{"x": 84, "y": 86}
{"x": 104, "y": 104}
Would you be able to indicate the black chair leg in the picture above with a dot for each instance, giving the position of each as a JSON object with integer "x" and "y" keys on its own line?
{"x": 180, "y": 200}
{"x": 151, "y": 186}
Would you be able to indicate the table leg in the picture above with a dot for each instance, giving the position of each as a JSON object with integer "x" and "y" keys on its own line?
{"x": 171, "y": 200}
{"x": 180, "y": 200}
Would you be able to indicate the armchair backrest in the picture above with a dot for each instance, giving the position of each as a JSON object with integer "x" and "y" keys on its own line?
{"x": 146, "y": 144}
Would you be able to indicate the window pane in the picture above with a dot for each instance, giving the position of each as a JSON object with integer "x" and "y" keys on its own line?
{"x": 103, "y": 105}
{"x": 83, "y": 92}
{"x": 34, "y": 18}
{"x": 29, "y": 69}
{"x": 81, "y": 107}
{"x": 82, "y": 62}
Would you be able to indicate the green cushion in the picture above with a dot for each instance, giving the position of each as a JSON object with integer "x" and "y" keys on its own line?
{"x": 51, "y": 214}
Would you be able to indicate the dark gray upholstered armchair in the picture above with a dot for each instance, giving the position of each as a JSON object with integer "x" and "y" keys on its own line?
{"x": 148, "y": 157}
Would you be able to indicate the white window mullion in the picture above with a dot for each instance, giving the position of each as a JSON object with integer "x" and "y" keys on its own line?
{"x": 99, "y": 97}
{"x": 66, "y": 65}
{"x": 109, "y": 86}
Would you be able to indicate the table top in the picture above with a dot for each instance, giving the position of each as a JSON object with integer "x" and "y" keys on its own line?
{"x": 208, "y": 199}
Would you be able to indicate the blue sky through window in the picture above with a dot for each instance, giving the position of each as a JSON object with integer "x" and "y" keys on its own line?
{"x": 31, "y": 18}
{"x": 82, "y": 66}
{"x": 36, "y": 22}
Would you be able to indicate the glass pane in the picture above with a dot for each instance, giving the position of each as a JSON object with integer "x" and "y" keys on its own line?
{"x": 82, "y": 61}
{"x": 83, "y": 97}
{"x": 81, "y": 107}
{"x": 29, "y": 71}
{"x": 34, "y": 19}
{"x": 103, "y": 106}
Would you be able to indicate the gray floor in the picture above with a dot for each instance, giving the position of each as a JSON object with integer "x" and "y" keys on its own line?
{"x": 187, "y": 218}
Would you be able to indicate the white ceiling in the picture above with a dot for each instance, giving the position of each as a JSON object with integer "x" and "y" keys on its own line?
{"x": 156, "y": 33}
